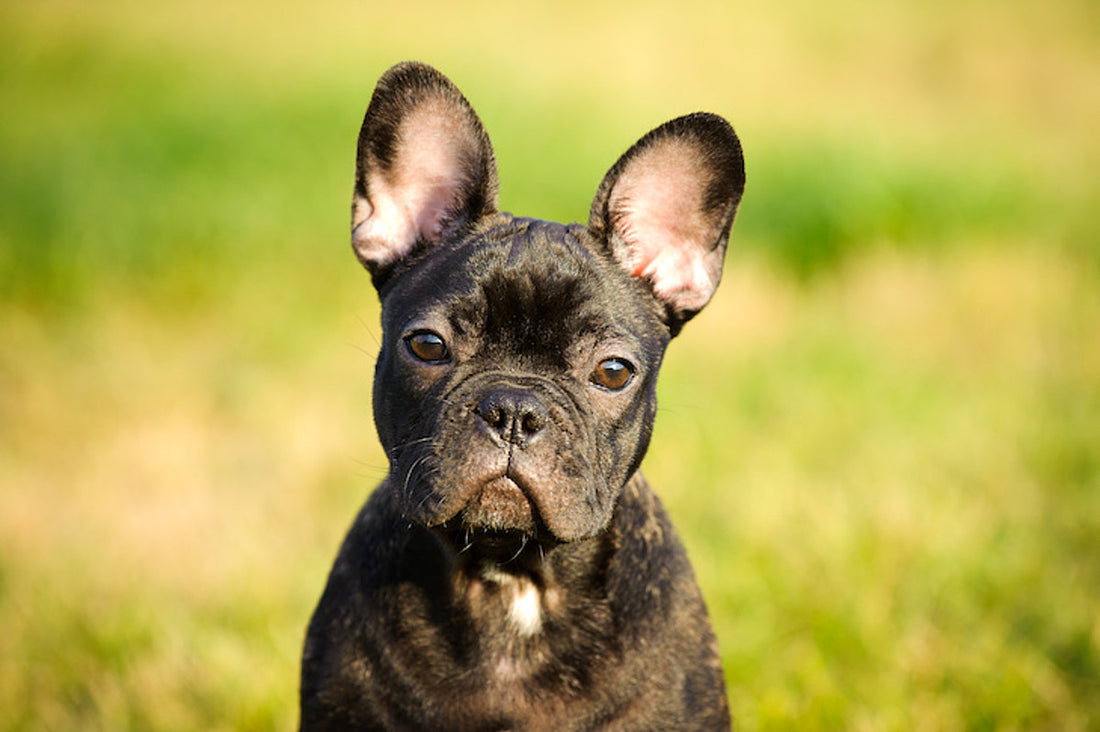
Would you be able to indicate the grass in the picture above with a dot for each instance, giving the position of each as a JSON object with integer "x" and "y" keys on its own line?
{"x": 879, "y": 441}
{"x": 919, "y": 512}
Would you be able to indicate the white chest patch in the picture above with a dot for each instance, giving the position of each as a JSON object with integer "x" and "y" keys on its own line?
{"x": 526, "y": 610}
{"x": 521, "y": 597}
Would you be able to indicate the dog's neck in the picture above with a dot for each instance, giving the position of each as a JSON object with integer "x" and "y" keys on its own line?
{"x": 511, "y": 600}
{"x": 521, "y": 590}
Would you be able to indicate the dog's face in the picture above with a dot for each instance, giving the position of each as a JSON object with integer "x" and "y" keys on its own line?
{"x": 515, "y": 389}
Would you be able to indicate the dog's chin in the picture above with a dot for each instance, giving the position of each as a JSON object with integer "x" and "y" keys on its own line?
{"x": 499, "y": 523}
{"x": 500, "y": 506}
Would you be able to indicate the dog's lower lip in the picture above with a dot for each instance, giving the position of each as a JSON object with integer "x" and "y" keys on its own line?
{"x": 499, "y": 545}
{"x": 497, "y": 539}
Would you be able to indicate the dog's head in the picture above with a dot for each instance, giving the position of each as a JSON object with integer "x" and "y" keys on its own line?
{"x": 515, "y": 389}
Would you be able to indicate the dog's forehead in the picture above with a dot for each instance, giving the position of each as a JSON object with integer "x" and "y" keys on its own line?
{"x": 534, "y": 277}
{"x": 535, "y": 284}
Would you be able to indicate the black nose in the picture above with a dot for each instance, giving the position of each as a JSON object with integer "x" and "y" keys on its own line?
{"x": 515, "y": 415}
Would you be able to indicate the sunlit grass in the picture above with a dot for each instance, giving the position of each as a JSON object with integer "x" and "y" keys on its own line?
{"x": 879, "y": 441}
{"x": 899, "y": 474}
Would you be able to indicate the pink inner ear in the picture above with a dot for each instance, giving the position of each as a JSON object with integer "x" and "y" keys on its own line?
{"x": 411, "y": 200}
{"x": 657, "y": 206}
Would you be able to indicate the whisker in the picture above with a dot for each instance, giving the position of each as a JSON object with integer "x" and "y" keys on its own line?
{"x": 522, "y": 546}
{"x": 408, "y": 475}
{"x": 406, "y": 445}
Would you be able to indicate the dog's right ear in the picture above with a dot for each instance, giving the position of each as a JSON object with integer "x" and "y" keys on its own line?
{"x": 423, "y": 171}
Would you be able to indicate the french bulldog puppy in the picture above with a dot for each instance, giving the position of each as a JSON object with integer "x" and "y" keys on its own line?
{"x": 514, "y": 571}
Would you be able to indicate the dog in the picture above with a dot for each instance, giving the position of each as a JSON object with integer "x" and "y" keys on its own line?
{"x": 514, "y": 571}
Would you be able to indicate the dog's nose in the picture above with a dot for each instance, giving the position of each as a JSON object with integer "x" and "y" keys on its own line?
{"x": 515, "y": 415}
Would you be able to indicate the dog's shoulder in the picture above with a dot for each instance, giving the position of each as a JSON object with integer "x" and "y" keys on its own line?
{"x": 650, "y": 577}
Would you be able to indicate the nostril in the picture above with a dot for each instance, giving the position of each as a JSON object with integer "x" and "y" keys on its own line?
{"x": 515, "y": 416}
{"x": 532, "y": 422}
{"x": 491, "y": 413}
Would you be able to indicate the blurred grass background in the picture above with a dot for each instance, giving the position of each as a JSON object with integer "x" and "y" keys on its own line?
{"x": 881, "y": 441}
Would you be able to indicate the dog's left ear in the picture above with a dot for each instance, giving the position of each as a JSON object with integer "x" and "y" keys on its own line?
{"x": 424, "y": 168}
{"x": 664, "y": 210}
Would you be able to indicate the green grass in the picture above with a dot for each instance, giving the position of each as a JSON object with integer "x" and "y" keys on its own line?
{"x": 919, "y": 514}
{"x": 879, "y": 441}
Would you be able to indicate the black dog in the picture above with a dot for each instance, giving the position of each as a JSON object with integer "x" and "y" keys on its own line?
{"x": 514, "y": 570}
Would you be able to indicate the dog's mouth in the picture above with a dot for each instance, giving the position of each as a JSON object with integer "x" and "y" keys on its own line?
{"x": 499, "y": 547}
{"x": 499, "y": 523}
{"x": 503, "y": 548}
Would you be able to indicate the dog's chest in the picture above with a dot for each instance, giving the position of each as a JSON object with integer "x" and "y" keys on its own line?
{"x": 511, "y": 610}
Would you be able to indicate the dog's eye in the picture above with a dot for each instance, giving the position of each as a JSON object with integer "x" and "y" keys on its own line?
{"x": 427, "y": 347}
{"x": 613, "y": 374}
